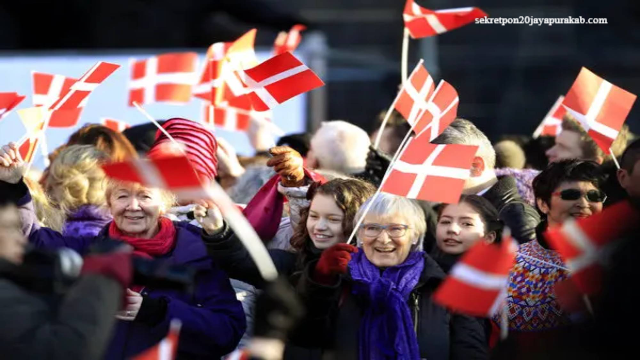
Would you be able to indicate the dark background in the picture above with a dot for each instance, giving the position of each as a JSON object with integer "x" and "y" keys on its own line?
{"x": 507, "y": 76}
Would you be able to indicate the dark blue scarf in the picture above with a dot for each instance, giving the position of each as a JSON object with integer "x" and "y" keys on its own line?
{"x": 386, "y": 331}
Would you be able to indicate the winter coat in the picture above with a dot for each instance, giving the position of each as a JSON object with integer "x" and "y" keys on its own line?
{"x": 212, "y": 318}
{"x": 524, "y": 180}
{"x": 74, "y": 327}
{"x": 519, "y": 216}
{"x": 87, "y": 220}
{"x": 334, "y": 314}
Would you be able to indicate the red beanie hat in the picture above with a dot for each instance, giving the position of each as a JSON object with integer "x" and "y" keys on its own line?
{"x": 200, "y": 145}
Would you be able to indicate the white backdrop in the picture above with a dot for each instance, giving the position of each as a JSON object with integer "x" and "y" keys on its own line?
{"x": 110, "y": 99}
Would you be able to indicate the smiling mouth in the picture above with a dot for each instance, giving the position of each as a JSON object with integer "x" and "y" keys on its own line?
{"x": 322, "y": 237}
{"x": 134, "y": 218}
{"x": 451, "y": 242}
{"x": 384, "y": 250}
{"x": 580, "y": 215}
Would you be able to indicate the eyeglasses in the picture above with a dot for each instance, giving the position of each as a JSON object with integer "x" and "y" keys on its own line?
{"x": 393, "y": 230}
{"x": 596, "y": 196}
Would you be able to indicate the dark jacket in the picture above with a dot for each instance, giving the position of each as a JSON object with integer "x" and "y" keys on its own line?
{"x": 212, "y": 318}
{"x": 334, "y": 315}
{"x": 519, "y": 216}
{"x": 77, "y": 325}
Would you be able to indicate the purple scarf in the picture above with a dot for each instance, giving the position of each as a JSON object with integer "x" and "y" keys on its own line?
{"x": 386, "y": 330}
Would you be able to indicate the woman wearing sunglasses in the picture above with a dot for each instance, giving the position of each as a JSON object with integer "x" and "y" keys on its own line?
{"x": 565, "y": 189}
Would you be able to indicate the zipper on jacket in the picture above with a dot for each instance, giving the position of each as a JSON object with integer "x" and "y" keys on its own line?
{"x": 416, "y": 310}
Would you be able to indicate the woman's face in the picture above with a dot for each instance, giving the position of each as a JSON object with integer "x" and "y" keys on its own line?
{"x": 136, "y": 209}
{"x": 386, "y": 247}
{"x": 561, "y": 209}
{"x": 324, "y": 223}
{"x": 459, "y": 228}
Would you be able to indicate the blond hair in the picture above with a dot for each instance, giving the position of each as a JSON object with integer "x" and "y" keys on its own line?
{"x": 47, "y": 215}
{"x": 77, "y": 173}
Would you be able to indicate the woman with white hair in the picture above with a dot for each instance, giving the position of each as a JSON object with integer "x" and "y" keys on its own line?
{"x": 375, "y": 301}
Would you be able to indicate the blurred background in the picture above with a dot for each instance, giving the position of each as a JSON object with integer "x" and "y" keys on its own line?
{"x": 507, "y": 76}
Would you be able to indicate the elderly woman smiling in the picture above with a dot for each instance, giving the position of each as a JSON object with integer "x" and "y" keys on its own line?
{"x": 212, "y": 318}
{"x": 375, "y": 301}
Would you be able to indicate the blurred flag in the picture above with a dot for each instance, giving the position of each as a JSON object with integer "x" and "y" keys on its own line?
{"x": 423, "y": 22}
{"x": 430, "y": 172}
{"x": 278, "y": 80}
{"x": 167, "y": 348}
{"x": 231, "y": 118}
{"x": 599, "y": 106}
{"x": 439, "y": 113}
{"x": 477, "y": 283}
{"x": 47, "y": 88}
{"x": 8, "y": 101}
{"x": 551, "y": 125}
{"x": 164, "y": 78}
{"x": 115, "y": 125}
{"x": 33, "y": 120}
{"x": 288, "y": 41}
{"x": 581, "y": 242}
{"x": 415, "y": 94}
{"x": 78, "y": 93}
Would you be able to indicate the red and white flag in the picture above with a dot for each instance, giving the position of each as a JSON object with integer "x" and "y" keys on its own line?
{"x": 430, "y": 172}
{"x": 78, "y": 93}
{"x": 232, "y": 118}
{"x": 414, "y": 96}
{"x": 551, "y": 125}
{"x": 423, "y": 22}
{"x": 477, "y": 284}
{"x": 440, "y": 112}
{"x": 47, "y": 88}
{"x": 164, "y": 78}
{"x": 288, "y": 41}
{"x": 167, "y": 348}
{"x": 115, "y": 125}
{"x": 8, "y": 102}
{"x": 33, "y": 120}
{"x": 599, "y": 106}
{"x": 278, "y": 80}
{"x": 581, "y": 242}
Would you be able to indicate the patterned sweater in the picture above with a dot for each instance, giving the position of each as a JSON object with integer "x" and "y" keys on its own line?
{"x": 531, "y": 301}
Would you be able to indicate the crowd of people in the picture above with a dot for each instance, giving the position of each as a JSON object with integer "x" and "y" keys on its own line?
{"x": 371, "y": 299}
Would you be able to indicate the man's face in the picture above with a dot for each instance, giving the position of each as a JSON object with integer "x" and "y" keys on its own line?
{"x": 631, "y": 181}
{"x": 12, "y": 241}
{"x": 567, "y": 147}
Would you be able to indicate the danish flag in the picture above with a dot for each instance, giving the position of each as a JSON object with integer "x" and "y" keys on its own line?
{"x": 430, "y": 172}
{"x": 278, "y": 80}
{"x": 582, "y": 242}
{"x": 115, "y": 125}
{"x": 163, "y": 78}
{"x": 167, "y": 348}
{"x": 423, "y": 22}
{"x": 599, "y": 106}
{"x": 551, "y": 125}
{"x": 232, "y": 118}
{"x": 414, "y": 97}
{"x": 8, "y": 101}
{"x": 47, "y": 88}
{"x": 33, "y": 120}
{"x": 440, "y": 112}
{"x": 288, "y": 41}
{"x": 477, "y": 284}
{"x": 78, "y": 93}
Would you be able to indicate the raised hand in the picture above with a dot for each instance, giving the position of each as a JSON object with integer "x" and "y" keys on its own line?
{"x": 12, "y": 167}
{"x": 288, "y": 164}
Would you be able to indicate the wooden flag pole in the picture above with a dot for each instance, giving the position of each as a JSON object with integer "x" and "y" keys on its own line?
{"x": 405, "y": 55}
{"x": 211, "y": 119}
{"x": 150, "y": 118}
{"x": 615, "y": 161}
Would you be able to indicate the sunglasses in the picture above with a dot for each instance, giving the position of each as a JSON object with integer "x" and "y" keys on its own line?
{"x": 596, "y": 196}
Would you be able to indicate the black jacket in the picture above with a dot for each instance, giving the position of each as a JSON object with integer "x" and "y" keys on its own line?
{"x": 77, "y": 325}
{"x": 519, "y": 216}
{"x": 334, "y": 314}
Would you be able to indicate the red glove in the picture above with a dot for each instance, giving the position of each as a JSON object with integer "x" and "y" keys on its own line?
{"x": 117, "y": 266}
{"x": 333, "y": 262}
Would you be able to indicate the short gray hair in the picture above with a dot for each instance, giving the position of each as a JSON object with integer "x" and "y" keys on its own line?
{"x": 341, "y": 146}
{"x": 464, "y": 132}
{"x": 385, "y": 205}
{"x": 247, "y": 186}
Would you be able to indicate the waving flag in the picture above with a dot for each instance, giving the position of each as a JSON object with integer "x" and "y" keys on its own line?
{"x": 78, "y": 93}
{"x": 288, "y": 41}
{"x": 599, "y": 106}
{"x": 430, "y": 172}
{"x": 163, "y": 78}
{"x": 8, "y": 101}
{"x": 415, "y": 94}
{"x": 440, "y": 112}
{"x": 278, "y": 80}
{"x": 33, "y": 120}
{"x": 232, "y": 118}
{"x": 581, "y": 242}
{"x": 167, "y": 348}
{"x": 551, "y": 125}
{"x": 477, "y": 284}
{"x": 423, "y": 22}
{"x": 115, "y": 125}
{"x": 47, "y": 88}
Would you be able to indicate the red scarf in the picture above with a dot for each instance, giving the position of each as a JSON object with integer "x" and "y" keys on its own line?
{"x": 158, "y": 245}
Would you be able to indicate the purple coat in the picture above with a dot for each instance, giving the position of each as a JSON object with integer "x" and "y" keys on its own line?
{"x": 212, "y": 318}
{"x": 87, "y": 220}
